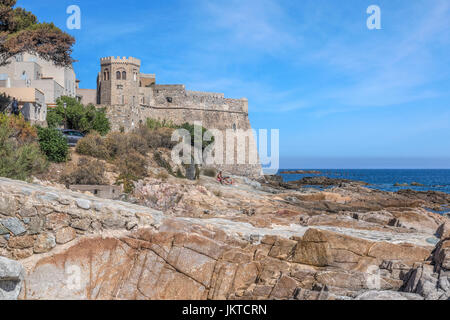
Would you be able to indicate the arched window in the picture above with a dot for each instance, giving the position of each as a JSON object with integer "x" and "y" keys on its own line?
{"x": 124, "y": 75}
{"x": 118, "y": 75}
{"x": 106, "y": 75}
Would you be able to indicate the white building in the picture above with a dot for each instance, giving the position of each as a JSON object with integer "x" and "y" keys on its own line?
{"x": 27, "y": 71}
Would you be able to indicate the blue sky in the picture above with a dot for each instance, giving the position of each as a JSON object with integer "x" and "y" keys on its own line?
{"x": 343, "y": 96}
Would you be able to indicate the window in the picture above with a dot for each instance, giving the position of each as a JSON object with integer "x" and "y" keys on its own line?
{"x": 234, "y": 127}
{"x": 106, "y": 75}
{"x": 169, "y": 99}
{"x": 124, "y": 75}
{"x": 119, "y": 87}
{"x": 118, "y": 75}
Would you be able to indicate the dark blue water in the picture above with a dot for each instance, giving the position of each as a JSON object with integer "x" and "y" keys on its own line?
{"x": 385, "y": 179}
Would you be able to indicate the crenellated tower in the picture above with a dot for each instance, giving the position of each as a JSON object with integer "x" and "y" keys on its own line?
{"x": 118, "y": 81}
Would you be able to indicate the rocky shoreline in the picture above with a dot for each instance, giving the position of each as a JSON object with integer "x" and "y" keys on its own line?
{"x": 202, "y": 240}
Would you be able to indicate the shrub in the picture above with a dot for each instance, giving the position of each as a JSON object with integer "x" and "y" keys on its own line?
{"x": 179, "y": 174}
{"x": 209, "y": 172}
{"x": 155, "y": 124}
{"x": 156, "y": 138}
{"x": 88, "y": 171}
{"x": 137, "y": 143}
{"x": 127, "y": 182}
{"x": 78, "y": 117}
{"x": 162, "y": 176}
{"x": 93, "y": 145}
{"x": 53, "y": 144}
{"x": 22, "y": 131}
{"x": 119, "y": 144}
{"x": 162, "y": 163}
{"x": 19, "y": 160}
{"x": 116, "y": 143}
{"x": 132, "y": 167}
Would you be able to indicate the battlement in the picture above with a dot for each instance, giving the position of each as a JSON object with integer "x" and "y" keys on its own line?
{"x": 205, "y": 94}
{"x": 124, "y": 60}
{"x": 147, "y": 75}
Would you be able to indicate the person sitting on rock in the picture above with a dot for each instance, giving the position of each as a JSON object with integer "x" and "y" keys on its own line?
{"x": 223, "y": 180}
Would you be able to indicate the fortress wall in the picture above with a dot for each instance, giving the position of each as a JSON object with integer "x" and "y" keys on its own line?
{"x": 130, "y": 117}
{"x": 129, "y": 104}
{"x": 180, "y": 98}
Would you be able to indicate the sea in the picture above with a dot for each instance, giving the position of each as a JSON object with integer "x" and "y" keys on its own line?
{"x": 385, "y": 179}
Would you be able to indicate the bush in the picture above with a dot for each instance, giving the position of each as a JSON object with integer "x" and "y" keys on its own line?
{"x": 137, "y": 143}
{"x": 162, "y": 163}
{"x": 22, "y": 131}
{"x": 53, "y": 144}
{"x": 156, "y": 124}
{"x": 116, "y": 143}
{"x": 88, "y": 171}
{"x": 191, "y": 129}
{"x": 162, "y": 176}
{"x": 209, "y": 172}
{"x": 132, "y": 167}
{"x": 78, "y": 117}
{"x": 156, "y": 138}
{"x": 93, "y": 145}
{"x": 18, "y": 159}
{"x": 119, "y": 144}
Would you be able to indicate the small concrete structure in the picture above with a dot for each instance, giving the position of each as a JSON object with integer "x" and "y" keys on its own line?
{"x": 105, "y": 192}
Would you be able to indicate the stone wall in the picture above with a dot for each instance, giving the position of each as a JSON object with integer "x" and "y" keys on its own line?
{"x": 34, "y": 219}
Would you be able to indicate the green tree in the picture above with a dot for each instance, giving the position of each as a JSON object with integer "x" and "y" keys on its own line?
{"x": 20, "y": 31}
{"x": 53, "y": 144}
{"x": 54, "y": 118}
{"x": 78, "y": 117}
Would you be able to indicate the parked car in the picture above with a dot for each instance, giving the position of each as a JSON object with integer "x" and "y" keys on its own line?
{"x": 73, "y": 136}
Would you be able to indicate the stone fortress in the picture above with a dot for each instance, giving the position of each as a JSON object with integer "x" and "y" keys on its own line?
{"x": 130, "y": 97}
